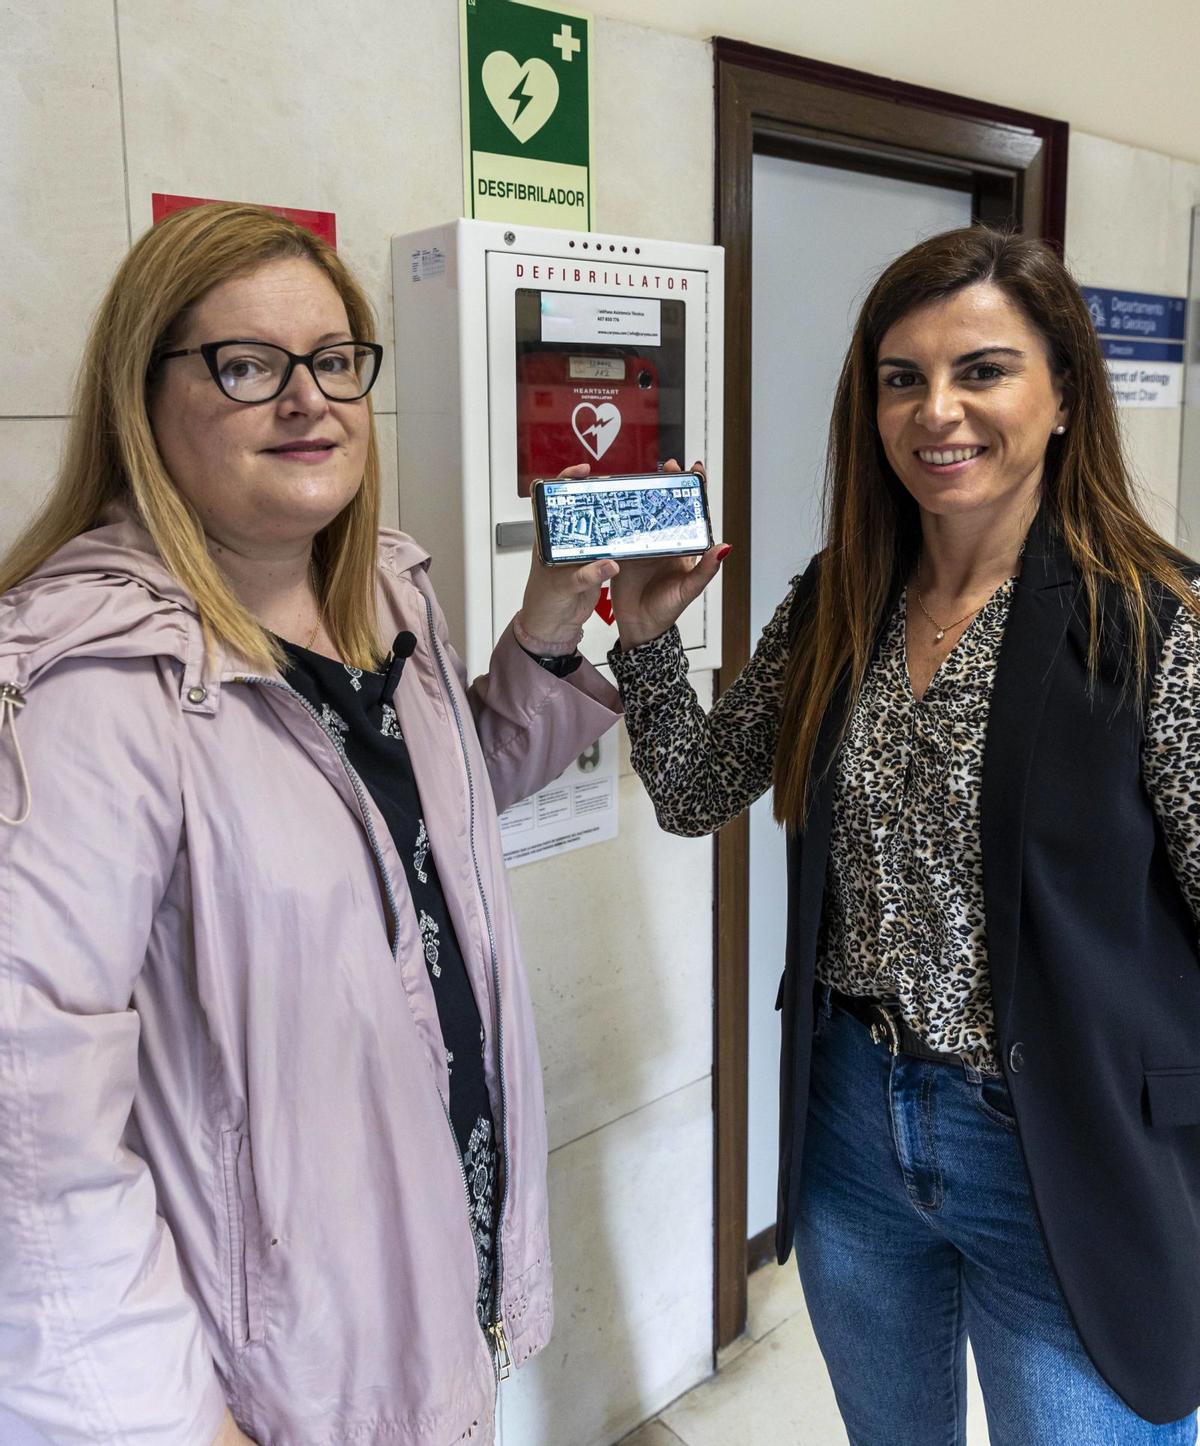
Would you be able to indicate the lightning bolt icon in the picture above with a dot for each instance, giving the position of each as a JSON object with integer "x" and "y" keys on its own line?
{"x": 596, "y": 428}
{"x": 521, "y": 96}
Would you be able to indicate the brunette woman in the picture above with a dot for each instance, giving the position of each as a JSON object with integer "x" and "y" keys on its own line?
{"x": 980, "y": 713}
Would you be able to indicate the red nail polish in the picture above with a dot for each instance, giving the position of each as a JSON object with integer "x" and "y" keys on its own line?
{"x": 724, "y": 552}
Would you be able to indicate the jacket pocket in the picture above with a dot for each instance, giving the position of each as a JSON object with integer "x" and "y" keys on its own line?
{"x": 1173, "y": 1096}
{"x": 243, "y": 1294}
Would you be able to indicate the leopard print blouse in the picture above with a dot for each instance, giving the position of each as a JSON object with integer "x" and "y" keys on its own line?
{"x": 904, "y": 912}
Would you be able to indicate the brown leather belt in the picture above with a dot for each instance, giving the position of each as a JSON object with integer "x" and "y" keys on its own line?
{"x": 886, "y": 1024}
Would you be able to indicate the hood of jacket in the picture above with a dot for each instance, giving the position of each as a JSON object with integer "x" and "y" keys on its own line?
{"x": 108, "y": 594}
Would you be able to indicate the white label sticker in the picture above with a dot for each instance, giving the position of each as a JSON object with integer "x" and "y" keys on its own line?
{"x": 426, "y": 263}
{"x": 602, "y": 368}
{"x": 577, "y": 318}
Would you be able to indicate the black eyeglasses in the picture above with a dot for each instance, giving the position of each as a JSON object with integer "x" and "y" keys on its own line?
{"x": 257, "y": 371}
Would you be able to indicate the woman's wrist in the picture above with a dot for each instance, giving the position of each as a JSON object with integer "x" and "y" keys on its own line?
{"x": 651, "y": 658}
{"x": 543, "y": 647}
{"x": 630, "y": 638}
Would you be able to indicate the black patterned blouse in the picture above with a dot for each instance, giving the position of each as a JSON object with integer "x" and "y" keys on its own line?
{"x": 352, "y": 708}
{"x": 903, "y": 915}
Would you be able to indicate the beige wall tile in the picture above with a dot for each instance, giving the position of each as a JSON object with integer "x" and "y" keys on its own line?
{"x": 631, "y": 1229}
{"x": 62, "y": 221}
{"x": 1152, "y": 438}
{"x": 30, "y": 448}
{"x": 1117, "y": 203}
{"x": 653, "y": 134}
{"x": 1083, "y": 61}
{"x": 389, "y": 480}
{"x": 618, "y": 944}
{"x": 1129, "y": 226}
{"x": 351, "y": 109}
{"x": 1184, "y": 197}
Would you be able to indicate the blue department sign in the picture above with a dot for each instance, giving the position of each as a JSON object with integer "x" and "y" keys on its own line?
{"x": 1142, "y": 337}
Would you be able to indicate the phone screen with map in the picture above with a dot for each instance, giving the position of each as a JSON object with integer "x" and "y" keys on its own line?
{"x": 661, "y": 514}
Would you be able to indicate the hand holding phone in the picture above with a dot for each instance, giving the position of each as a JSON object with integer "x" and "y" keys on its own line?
{"x": 559, "y": 600}
{"x": 650, "y": 594}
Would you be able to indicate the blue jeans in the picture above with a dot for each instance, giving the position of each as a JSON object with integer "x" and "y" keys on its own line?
{"x": 917, "y": 1229}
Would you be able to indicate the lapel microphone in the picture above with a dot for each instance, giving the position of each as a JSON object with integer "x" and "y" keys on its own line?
{"x": 402, "y": 649}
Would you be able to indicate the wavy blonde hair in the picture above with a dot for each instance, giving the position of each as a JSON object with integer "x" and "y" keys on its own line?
{"x": 111, "y": 453}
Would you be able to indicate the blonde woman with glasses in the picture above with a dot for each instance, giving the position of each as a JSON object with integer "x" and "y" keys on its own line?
{"x": 272, "y": 1145}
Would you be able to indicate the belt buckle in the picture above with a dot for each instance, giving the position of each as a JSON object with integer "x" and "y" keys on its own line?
{"x": 884, "y": 1031}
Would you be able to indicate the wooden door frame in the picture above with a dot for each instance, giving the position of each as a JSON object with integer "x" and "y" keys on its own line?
{"x": 1015, "y": 164}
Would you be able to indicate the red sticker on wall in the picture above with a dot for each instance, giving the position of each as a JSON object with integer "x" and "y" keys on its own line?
{"x": 320, "y": 223}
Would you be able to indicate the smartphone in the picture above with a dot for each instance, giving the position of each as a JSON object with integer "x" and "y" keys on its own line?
{"x": 650, "y": 514}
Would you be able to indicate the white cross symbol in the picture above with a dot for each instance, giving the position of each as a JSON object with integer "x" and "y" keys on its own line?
{"x": 566, "y": 42}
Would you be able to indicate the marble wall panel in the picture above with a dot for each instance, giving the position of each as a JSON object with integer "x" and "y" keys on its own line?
{"x": 389, "y": 478}
{"x": 1184, "y": 198}
{"x": 618, "y": 944}
{"x": 1129, "y": 226}
{"x": 1112, "y": 192}
{"x": 62, "y": 222}
{"x": 631, "y": 1228}
{"x": 30, "y": 447}
{"x": 653, "y": 134}
{"x": 351, "y": 109}
{"x": 1083, "y": 61}
{"x": 1152, "y": 439}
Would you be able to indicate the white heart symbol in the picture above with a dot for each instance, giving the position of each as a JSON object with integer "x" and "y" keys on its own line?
{"x": 601, "y": 432}
{"x": 523, "y": 96}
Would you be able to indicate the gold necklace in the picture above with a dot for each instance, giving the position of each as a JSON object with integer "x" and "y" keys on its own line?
{"x": 312, "y": 637}
{"x": 940, "y": 631}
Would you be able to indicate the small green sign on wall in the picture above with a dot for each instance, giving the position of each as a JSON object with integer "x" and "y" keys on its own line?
{"x": 527, "y": 99}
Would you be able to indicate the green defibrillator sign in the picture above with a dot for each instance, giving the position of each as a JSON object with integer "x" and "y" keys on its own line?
{"x": 527, "y": 96}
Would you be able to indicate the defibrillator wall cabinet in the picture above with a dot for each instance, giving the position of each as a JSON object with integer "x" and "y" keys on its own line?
{"x": 521, "y": 351}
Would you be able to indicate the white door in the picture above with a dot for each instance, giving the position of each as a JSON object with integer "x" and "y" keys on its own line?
{"x": 821, "y": 236}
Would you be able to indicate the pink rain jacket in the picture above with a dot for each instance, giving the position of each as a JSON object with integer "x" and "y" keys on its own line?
{"x": 227, "y": 1173}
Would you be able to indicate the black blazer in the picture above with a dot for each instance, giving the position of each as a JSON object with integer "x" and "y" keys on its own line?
{"x": 1096, "y": 983}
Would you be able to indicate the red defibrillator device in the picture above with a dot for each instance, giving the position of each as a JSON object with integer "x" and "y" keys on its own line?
{"x": 584, "y": 407}
{"x": 616, "y": 407}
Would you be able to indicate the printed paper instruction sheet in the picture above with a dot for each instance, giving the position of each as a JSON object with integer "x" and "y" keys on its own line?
{"x": 578, "y": 808}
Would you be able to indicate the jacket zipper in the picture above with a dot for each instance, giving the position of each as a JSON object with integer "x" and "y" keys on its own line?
{"x": 501, "y": 1356}
{"x": 373, "y": 838}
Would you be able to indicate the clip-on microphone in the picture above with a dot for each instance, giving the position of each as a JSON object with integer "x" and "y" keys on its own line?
{"x": 402, "y": 649}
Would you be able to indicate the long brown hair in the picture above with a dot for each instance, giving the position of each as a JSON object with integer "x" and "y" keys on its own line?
{"x": 111, "y": 453}
{"x": 872, "y": 524}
